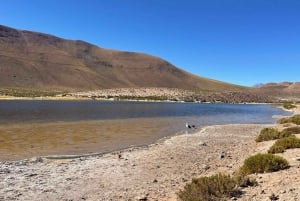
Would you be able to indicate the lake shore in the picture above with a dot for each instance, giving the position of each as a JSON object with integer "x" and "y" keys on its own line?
{"x": 154, "y": 172}
{"x": 144, "y": 94}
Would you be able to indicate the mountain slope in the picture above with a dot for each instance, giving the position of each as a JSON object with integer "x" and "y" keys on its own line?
{"x": 283, "y": 90}
{"x": 40, "y": 61}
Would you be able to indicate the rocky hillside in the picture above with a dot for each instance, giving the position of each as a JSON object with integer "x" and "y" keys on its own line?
{"x": 283, "y": 90}
{"x": 40, "y": 61}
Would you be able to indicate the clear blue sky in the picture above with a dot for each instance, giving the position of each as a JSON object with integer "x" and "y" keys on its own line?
{"x": 239, "y": 41}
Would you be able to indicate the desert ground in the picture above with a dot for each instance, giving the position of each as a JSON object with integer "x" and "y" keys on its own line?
{"x": 154, "y": 172}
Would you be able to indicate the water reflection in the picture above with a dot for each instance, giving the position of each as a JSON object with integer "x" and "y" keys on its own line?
{"x": 31, "y": 128}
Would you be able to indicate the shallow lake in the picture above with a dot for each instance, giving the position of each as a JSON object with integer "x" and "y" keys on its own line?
{"x": 30, "y": 128}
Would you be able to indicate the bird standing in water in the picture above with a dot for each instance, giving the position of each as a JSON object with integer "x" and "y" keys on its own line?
{"x": 187, "y": 125}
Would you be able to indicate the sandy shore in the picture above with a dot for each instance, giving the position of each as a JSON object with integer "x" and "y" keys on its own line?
{"x": 155, "y": 172}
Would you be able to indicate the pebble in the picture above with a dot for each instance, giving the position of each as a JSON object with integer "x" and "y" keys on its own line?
{"x": 32, "y": 175}
{"x": 142, "y": 198}
{"x": 36, "y": 160}
{"x": 5, "y": 171}
{"x": 297, "y": 159}
{"x": 202, "y": 144}
{"x": 230, "y": 165}
{"x": 206, "y": 167}
{"x": 274, "y": 197}
{"x": 184, "y": 179}
{"x": 223, "y": 154}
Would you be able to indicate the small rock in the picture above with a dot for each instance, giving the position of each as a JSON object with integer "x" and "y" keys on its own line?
{"x": 283, "y": 191}
{"x": 36, "y": 160}
{"x": 142, "y": 198}
{"x": 21, "y": 163}
{"x": 155, "y": 181}
{"x": 32, "y": 175}
{"x": 202, "y": 144}
{"x": 274, "y": 197}
{"x": 292, "y": 189}
{"x": 184, "y": 179}
{"x": 4, "y": 171}
{"x": 223, "y": 154}
{"x": 205, "y": 167}
{"x": 230, "y": 165}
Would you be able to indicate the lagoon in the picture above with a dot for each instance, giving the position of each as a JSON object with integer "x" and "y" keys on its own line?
{"x": 37, "y": 127}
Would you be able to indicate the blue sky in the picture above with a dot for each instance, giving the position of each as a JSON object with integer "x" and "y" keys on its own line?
{"x": 244, "y": 42}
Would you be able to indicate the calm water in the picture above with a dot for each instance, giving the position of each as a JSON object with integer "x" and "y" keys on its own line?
{"x": 20, "y": 111}
{"x": 30, "y": 128}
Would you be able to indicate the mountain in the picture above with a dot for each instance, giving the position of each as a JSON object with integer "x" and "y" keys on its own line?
{"x": 282, "y": 90}
{"x": 40, "y": 61}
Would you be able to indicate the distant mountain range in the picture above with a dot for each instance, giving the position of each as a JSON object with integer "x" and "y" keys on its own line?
{"x": 36, "y": 60}
{"x": 283, "y": 90}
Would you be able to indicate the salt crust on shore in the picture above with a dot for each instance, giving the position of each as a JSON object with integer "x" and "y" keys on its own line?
{"x": 155, "y": 172}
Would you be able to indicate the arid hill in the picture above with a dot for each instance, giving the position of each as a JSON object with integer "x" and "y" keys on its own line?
{"x": 40, "y": 61}
{"x": 283, "y": 90}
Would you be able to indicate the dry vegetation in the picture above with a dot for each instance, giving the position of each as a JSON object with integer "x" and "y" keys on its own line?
{"x": 294, "y": 119}
{"x": 223, "y": 187}
{"x": 215, "y": 187}
{"x": 285, "y": 143}
{"x": 271, "y": 134}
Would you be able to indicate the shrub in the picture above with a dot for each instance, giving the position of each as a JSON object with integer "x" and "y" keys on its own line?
{"x": 292, "y": 130}
{"x": 288, "y": 106}
{"x": 285, "y": 133}
{"x": 26, "y": 92}
{"x": 261, "y": 163}
{"x": 272, "y": 134}
{"x": 267, "y": 134}
{"x": 294, "y": 119}
{"x": 243, "y": 180}
{"x": 215, "y": 187}
{"x": 285, "y": 143}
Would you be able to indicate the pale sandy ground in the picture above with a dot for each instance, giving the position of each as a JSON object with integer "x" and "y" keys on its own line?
{"x": 285, "y": 184}
{"x": 156, "y": 172}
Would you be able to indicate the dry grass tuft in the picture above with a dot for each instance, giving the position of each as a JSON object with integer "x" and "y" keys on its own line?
{"x": 285, "y": 143}
{"x": 261, "y": 163}
{"x": 215, "y": 187}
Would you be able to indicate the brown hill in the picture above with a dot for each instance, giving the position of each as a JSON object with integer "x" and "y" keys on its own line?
{"x": 283, "y": 90}
{"x": 40, "y": 61}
